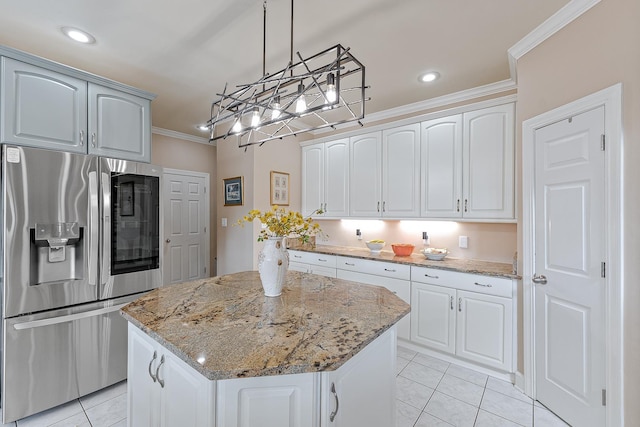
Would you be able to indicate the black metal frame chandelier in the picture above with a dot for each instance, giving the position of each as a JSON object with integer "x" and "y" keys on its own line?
{"x": 320, "y": 91}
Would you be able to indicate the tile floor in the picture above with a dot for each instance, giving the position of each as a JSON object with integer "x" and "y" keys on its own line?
{"x": 430, "y": 392}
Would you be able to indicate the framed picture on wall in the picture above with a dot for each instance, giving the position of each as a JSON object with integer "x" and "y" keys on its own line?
{"x": 233, "y": 188}
{"x": 279, "y": 188}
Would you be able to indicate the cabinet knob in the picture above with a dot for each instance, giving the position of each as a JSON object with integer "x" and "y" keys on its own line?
{"x": 93, "y": 139}
{"x": 81, "y": 138}
{"x": 168, "y": 240}
{"x": 539, "y": 279}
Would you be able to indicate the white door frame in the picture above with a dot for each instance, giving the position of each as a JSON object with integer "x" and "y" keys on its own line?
{"x": 611, "y": 98}
{"x": 207, "y": 215}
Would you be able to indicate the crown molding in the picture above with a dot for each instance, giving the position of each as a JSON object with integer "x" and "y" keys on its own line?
{"x": 180, "y": 135}
{"x": 552, "y": 25}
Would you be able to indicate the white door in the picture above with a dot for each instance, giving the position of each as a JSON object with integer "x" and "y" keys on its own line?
{"x": 433, "y": 316}
{"x": 569, "y": 252}
{"x": 186, "y": 218}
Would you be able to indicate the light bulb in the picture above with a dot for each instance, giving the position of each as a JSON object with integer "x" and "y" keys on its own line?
{"x": 275, "y": 112}
{"x": 301, "y": 103}
{"x": 237, "y": 126}
{"x": 255, "y": 117}
{"x": 331, "y": 89}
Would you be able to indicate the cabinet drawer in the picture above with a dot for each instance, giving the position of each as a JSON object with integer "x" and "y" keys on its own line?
{"x": 313, "y": 258}
{"x": 467, "y": 282}
{"x": 378, "y": 268}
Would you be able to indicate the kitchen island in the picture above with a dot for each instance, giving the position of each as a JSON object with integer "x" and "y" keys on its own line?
{"x": 217, "y": 352}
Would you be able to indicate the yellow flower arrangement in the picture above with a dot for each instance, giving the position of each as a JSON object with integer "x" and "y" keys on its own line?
{"x": 282, "y": 223}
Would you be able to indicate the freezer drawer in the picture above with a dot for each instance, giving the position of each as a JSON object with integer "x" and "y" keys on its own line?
{"x": 54, "y": 357}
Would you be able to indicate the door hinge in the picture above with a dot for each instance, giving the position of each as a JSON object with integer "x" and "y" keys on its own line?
{"x": 604, "y": 397}
{"x": 602, "y": 142}
{"x": 603, "y": 269}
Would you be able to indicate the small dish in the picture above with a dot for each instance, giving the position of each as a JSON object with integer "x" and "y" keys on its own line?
{"x": 435, "y": 254}
{"x": 402, "y": 249}
{"x": 375, "y": 245}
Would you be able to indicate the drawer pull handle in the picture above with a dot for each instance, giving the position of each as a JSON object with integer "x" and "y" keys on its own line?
{"x": 391, "y": 270}
{"x": 483, "y": 285}
{"x": 322, "y": 260}
{"x": 432, "y": 277}
{"x": 333, "y": 414}
{"x": 155, "y": 356}
{"x": 348, "y": 263}
{"x": 451, "y": 302}
{"x": 460, "y": 304}
{"x": 297, "y": 256}
{"x": 160, "y": 381}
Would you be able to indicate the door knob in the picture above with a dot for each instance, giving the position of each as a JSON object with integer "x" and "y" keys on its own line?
{"x": 540, "y": 279}
{"x": 168, "y": 240}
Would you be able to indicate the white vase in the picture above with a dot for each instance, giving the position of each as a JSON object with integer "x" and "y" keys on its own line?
{"x": 273, "y": 262}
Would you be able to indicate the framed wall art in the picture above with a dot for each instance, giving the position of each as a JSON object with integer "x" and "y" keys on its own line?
{"x": 233, "y": 191}
{"x": 279, "y": 188}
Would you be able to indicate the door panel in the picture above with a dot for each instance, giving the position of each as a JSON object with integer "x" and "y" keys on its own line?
{"x": 569, "y": 250}
{"x": 185, "y": 228}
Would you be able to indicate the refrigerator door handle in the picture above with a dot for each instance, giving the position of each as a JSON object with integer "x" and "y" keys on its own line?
{"x": 94, "y": 214}
{"x": 66, "y": 318}
{"x": 105, "y": 271}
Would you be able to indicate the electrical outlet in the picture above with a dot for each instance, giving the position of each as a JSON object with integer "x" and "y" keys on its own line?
{"x": 358, "y": 234}
{"x": 224, "y": 222}
{"x": 463, "y": 242}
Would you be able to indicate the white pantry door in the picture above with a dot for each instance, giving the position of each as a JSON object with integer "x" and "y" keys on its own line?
{"x": 569, "y": 252}
{"x": 186, "y": 217}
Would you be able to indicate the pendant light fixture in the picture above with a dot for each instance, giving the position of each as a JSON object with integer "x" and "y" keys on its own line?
{"x": 320, "y": 91}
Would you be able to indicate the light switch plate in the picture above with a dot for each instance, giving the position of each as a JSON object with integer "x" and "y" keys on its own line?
{"x": 463, "y": 242}
{"x": 224, "y": 222}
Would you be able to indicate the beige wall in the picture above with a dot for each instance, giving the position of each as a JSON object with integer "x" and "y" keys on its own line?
{"x": 177, "y": 153}
{"x": 596, "y": 51}
{"x": 237, "y": 246}
{"x": 488, "y": 242}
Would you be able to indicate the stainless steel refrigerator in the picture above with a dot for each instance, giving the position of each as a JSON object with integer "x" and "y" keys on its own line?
{"x": 80, "y": 238}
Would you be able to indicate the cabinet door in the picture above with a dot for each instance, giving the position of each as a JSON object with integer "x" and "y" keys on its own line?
{"x": 186, "y": 395}
{"x": 119, "y": 124}
{"x": 41, "y": 108}
{"x": 365, "y": 187}
{"x": 441, "y": 167}
{"x": 488, "y": 141}
{"x": 142, "y": 392}
{"x": 362, "y": 392}
{"x": 484, "y": 331}
{"x": 401, "y": 171}
{"x": 336, "y": 178}
{"x": 296, "y": 266}
{"x": 312, "y": 178}
{"x": 433, "y": 316}
{"x": 280, "y": 400}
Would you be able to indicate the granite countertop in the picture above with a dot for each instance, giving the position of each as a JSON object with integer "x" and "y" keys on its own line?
{"x": 462, "y": 265}
{"x": 225, "y": 327}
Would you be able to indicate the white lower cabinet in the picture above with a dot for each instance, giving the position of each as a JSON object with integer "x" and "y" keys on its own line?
{"x": 312, "y": 262}
{"x": 475, "y": 325}
{"x": 162, "y": 390}
{"x": 362, "y": 392}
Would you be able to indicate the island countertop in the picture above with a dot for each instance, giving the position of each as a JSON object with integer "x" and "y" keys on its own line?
{"x": 224, "y": 327}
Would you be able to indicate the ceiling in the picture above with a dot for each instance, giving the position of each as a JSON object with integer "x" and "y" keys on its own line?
{"x": 185, "y": 51}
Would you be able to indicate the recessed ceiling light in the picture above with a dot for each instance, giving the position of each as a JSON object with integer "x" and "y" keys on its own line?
{"x": 78, "y": 35}
{"x": 429, "y": 77}
{"x": 203, "y": 128}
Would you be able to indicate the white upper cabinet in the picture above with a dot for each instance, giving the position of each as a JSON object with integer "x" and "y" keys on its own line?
{"x": 488, "y": 158}
{"x": 47, "y": 108}
{"x": 365, "y": 189}
{"x": 325, "y": 178}
{"x": 401, "y": 171}
{"x": 385, "y": 173}
{"x": 119, "y": 124}
{"x": 441, "y": 151}
{"x": 42, "y": 108}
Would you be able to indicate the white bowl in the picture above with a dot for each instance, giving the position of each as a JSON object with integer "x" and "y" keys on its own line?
{"x": 435, "y": 254}
{"x": 375, "y": 247}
